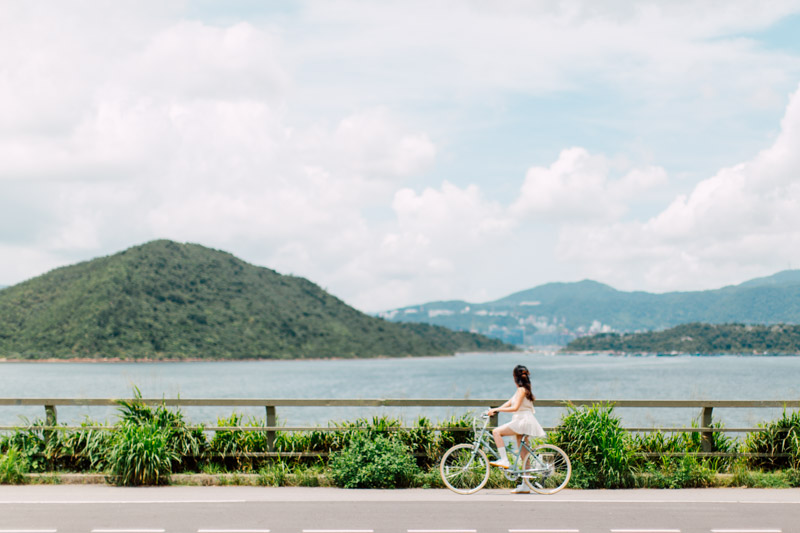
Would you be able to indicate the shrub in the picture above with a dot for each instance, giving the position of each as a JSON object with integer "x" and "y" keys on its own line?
{"x": 273, "y": 475}
{"x": 231, "y": 445}
{"x": 376, "y": 462}
{"x": 141, "y": 454}
{"x": 778, "y": 437}
{"x": 13, "y": 467}
{"x": 665, "y": 450}
{"x": 680, "y": 473}
{"x": 776, "y": 479}
{"x": 594, "y": 439}
{"x": 793, "y": 477}
{"x": 186, "y": 445}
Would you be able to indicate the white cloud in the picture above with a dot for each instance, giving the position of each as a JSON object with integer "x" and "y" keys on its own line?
{"x": 580, "y": 186}
{"x": 743, "y": 221}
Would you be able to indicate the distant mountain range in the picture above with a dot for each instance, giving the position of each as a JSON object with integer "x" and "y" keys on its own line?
{"x": 165, "y": 300}
{"x": 697, "y": 339}
{"x": 556, "y": 313}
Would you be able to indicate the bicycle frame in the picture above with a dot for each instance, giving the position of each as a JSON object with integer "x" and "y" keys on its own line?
{"x": 486, "y": 442}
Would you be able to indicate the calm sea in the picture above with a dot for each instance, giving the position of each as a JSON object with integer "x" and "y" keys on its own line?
{"x": 599, "y": 377}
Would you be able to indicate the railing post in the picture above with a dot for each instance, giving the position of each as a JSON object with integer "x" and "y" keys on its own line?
{"x": 272, "y": 420}
{"x": 707, "y": 436}
{"x": 50, "y": 419}
{"x": 494, "y": 420}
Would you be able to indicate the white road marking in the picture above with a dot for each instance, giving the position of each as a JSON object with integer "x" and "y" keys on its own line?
{"x": 442, "y": 531}
{"x": 338, "y": 531}
{"x": 697, "y": 502}
{"x": 111, "y": 502}
{"x": 233, "y": 531}
{"x": 645, "y": 531}
{"x": 544, "y": 531}
{"x": 745, "y": 531}
{"x": 28, "y": 530}
{"x": 128, "y": 530}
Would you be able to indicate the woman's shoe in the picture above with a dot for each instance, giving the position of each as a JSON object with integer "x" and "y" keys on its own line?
{"x": 502, "y": 463}
{"x": 522, "y": 488}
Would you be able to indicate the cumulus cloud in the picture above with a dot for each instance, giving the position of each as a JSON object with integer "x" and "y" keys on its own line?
{"x": 581, "y": 186}
{"x": 743, "y": 221}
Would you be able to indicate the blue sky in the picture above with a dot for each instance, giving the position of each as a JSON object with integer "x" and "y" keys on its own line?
{"x": 402, "y": 152}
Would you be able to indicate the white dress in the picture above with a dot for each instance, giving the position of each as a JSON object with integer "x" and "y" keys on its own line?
{"x": 523, "y": 421}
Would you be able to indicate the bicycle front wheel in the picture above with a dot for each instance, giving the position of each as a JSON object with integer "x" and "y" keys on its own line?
{"x": 547, "y": 469}
{"x": 464, "y": 469}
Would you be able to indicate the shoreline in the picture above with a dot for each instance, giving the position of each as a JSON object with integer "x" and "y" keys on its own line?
{"x": 13, "y": 360}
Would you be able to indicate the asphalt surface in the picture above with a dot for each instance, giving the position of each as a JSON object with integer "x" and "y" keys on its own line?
{"x": 104, "y": 509}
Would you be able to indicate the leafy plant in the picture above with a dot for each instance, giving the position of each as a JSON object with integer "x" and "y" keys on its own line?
{"x": 376, "y": 462}
{"x": 13, "y": 467}
{"x": 679, "y": 473}
{"x": 594, "y": 438}
{"x": 273, "y": 475}
{"x": 779, "y": 441}
{"x": 658, "y": 444}
{"x": 141, "y": 454}
{"x": 186, "y": 445}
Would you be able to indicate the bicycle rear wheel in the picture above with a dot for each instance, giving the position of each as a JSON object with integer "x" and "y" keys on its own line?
{"x": 550, "y": 473}
{"x": 464, "y": 470}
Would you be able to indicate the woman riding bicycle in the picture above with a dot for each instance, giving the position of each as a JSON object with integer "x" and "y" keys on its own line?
{"x": 523, "y": 422}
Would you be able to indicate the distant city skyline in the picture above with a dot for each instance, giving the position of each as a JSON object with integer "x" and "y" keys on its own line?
{"x": 397, "y": 153}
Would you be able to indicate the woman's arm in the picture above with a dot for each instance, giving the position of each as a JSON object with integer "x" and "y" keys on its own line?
{"x": 512, "y": 405}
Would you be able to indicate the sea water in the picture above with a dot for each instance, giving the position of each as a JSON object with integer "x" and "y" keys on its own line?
{"x": 554, "y": 376}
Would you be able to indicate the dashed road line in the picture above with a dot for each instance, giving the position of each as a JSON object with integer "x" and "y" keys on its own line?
{"x": 645, "y": 531}
{"x": 746, "y": 531}
{"x": 111, "y": 502}
{"x": 697, "y": 502}
{"x": 233, "y": 531}
{"x": 28, "y": 530}
{"x": 442, "y": 531}
{"x": 544, "y": 531}
{"x": 129, "y": 530}
{"x": 338, "y": 531}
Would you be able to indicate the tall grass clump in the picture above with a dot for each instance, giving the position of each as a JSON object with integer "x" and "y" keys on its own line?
{"x": 141, "y": 454}
{"x": 13, "y": 467}
{"x": 373, "y": 462}
{"x": 187, "y": 446}
{"x": 779, "y": 441}
{"x": 601, "y": 451}
{"x": 150, "y": 443}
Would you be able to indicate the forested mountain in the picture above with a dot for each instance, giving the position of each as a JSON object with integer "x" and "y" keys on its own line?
{"x": 169, "y": 300}
{"x": 558, "y": 312}
{"x": 697, "y": 339}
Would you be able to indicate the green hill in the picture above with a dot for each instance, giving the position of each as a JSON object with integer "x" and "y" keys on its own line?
{"x": 697, "y": 339}
{"x": 558, "y": 312}
{"x": 166, "y": 300}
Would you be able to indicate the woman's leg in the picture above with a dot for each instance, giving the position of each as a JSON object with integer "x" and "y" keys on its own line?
{"x": 498, "y": 434}
{"x": 523, "y": 452}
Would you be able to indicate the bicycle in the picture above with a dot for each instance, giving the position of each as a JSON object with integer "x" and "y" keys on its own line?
{"x": 465, "y": 467}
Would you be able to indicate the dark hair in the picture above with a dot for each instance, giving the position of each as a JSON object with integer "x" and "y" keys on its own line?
{"x": 522, "y": 377}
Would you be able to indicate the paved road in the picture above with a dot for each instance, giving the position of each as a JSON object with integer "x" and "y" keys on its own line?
{"x": 102, "y": 509}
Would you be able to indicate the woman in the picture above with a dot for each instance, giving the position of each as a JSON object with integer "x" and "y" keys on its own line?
{"x": 523, "y": 422}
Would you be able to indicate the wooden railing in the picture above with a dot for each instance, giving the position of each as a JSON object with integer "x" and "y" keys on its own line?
{"x": 270, "y": 405}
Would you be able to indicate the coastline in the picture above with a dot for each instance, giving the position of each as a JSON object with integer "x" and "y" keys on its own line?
{"x": 13, "y": 360}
